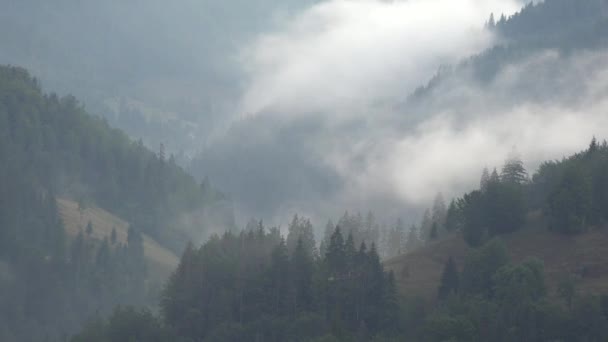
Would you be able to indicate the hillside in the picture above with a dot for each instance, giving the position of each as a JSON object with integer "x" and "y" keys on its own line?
{"x": 586, "y": 256}
{"x": 50, "y": 148}
{"x": 160, "y": 260}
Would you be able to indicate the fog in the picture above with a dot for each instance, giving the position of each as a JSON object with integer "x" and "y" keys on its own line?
{"x": 305, "y": 106}
{"x": 338, "y": 56}
{"x": 325, "y": 123}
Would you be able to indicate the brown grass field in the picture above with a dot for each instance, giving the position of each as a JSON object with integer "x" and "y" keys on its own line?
{"x": 160, "y": 260}
{"x": 584, "y": 256}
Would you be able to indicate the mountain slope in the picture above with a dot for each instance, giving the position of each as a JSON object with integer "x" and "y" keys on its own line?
{"x": 50, "y": 148}
{"x": 565, "y": 26}
{"x": 161, "y": 260}
{"x": 586, "y": 256}
{"x": 80, "y": 156}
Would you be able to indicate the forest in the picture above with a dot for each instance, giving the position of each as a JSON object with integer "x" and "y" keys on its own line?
{"x": 51, "y": 148}
{"x": 258, "y": 285}
{"x": 311, "y": 279}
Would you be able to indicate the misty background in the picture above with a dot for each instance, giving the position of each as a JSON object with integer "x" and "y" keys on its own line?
{"x": 318, "y": 107}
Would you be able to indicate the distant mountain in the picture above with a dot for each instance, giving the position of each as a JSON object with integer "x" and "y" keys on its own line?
{"x": 564, "y": 26}
{"x": 163, "y": 72}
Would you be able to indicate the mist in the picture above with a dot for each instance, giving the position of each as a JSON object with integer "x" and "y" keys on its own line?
{"x": 326, "y": 123}
{"x": 306, "y": 106}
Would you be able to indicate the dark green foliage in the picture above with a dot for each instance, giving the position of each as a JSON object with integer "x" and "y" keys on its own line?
{"x": 513, "y": 171}
{"x": 499, "y": 207}
{"x": 569, "y": 205}
{"x": 51, "y": 147}
{"x": 516, "y": 283}
{"x": 52, "y": 142}
{"x": 300, "y": 230}
{"x": 475, "y": 230}
{"x": 246, "y": 287}
{"x": 480, "y": 267}
{"x": 454, "y": 218}
{"x": 449, "y": 280}
{"x": 573, "y": 193}
{"x": 507, "y": 302}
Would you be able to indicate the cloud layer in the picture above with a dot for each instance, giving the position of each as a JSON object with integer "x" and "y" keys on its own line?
{"x": 325, "y": 125}
{"x": 343, "y": 54}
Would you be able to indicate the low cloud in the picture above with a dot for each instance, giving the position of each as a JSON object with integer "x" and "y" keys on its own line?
{"x": 326, "y": 125}
{"x": 542, "y": 106}
{"x": 340, "y": 55}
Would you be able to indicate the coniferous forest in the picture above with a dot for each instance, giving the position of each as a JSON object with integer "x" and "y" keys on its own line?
{"x": 253, "y": 286}
{"x": 356, "y": 209}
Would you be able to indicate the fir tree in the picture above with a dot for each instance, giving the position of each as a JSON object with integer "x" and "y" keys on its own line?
{"x": 449, "y": 280}
{"x": 513, "y": 171}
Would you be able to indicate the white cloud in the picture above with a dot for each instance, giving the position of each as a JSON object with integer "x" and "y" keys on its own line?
{"x": 447, "y": 151}
{"x": 346, "y": 66}
{"x": 344, "y": 54}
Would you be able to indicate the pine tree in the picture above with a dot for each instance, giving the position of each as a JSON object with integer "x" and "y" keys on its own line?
{"x": 449, "y": 280}
{"x": 336, "y": 255}
{"x": 454, "y": 219}
{"x": 425, "y": 226}
{"x": 491, "y": 22}
{"x": 301, "y": 228}
{"x": 513, "y": 171}
{"x": 439, "y": 211}
{"x": 350, "y": 252}
{"x": 329, "y": 229}
{"x": 302, "y": 271}
{"x": 593, "y": 146}
{"x": 396, "y": 239}
{"x": 485, "y": 179}
{"x": 279, "y": 277}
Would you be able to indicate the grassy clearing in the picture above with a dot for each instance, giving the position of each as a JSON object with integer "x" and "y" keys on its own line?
{"x": 585, "y": 256}
{"x": 161, "y": 261}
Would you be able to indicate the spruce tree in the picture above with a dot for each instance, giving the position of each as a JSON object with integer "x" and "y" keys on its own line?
{"x": 485, "y": 179}
{"x": 302, "y": 270}
{"x": 454, "y": 219}
{"x": 335, "y": 256}
{"x": 449, "y": 280}
{"x": 513, "y": 171}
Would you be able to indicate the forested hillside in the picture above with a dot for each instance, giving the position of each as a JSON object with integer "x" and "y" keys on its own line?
{"x": 304, "y": 106}
{"x": 258, "y": 285}
{"x": 50, "y": 147}
{"x": 80, "y": 157}
{"x": 564, "y": 26}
